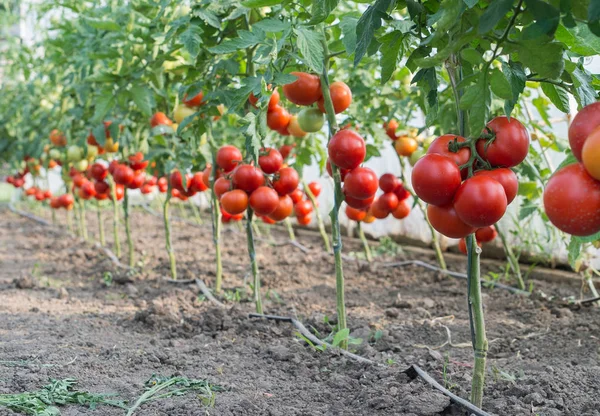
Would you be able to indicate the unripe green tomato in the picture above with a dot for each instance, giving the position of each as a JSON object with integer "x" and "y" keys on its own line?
{"x": 181, "y": 112}
{"x": 182, "y": 11}
{"x": 92, "y": 152}
{"x": 74, "y": 153}
{"x": 55, "y": 154}
{"x": 427, "y": 142}
{"x": 81, "y": 166}
{"x": 416, "y": 155}
{"x": 311, "y": 120}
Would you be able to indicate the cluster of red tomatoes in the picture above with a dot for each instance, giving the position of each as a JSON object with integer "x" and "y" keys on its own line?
{"x": 17, "y": 180}
{"x": 482, "y": 235}
{"x": 572, "y": 195}
{"x": 304, "y": 91}
{"x": 38, "y": 194}
{"x": 404, "y": 144}
{"x": 65, "y": 201}
{"x": 394, "y": 200}
{"x": 266, "y": 189}
{"x": 458, "y": 205}
{"x": 198, "y": 182}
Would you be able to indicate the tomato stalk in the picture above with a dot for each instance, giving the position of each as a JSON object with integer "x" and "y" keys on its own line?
{"x": 70, "y": 221}
{"x": 113, "y": 192}
{"x": 168, "y": 242}
{"x": 313, "y": 201}
{"x": 82, "y": 219}
{"x": 253, "y": 262}
{"x": 475, "y": 303}
{"x": 100, "y": 224}
{"x": 215, "y": 212}
{"x": 128, "y": 228}
{"x": 338, "y": 197}
{"x": 290, "y": 229}
{"x": 361, "y": 235}
{"x": 513, "y": 261}
{"x": 196, "y": 212}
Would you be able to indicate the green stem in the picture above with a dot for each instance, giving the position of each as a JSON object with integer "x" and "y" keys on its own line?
{"x": 168, "y": 243}
{"x": 338, "y": 196}
{"x": 256, "y": 229}
{"x": 290, "y": 229}
{"x": 512, "y": 259}
{"x": 181, "y": 209}
{"x": 253, "y": 262}
{"x": 128, "y": 228}
{"x": 320, "y": 223}
{"x": 77, "y": 213}
{"x": 82, "y": 220}
{"x": 365, "y": 243}
{"x": 100, "y": 224}
{"x": 480, "y": 343}
{"x": 53, "y": 217}
{"x": 113, "y": 191}
{"x": 196, "y": 212}
{"x": 215, "y": 213}
{"x": 70, "y": 221}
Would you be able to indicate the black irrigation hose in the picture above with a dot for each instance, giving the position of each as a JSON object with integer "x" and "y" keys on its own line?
{"x": 456, "y": 275}
{"x": 413, "y": 371}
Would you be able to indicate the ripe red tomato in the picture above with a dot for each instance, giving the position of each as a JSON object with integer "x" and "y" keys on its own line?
{"x": 378, "y": 211}
{"x": 119, "y": 191}
{"x": 584, "y": 123}
{"x": 146, "y": 189}
{"x": 390, "y": 129}
{"x": 98, "y": 171}
{"x": 388, "y": 201}
{"x": 590, "y": 154}
{"x": 296, "y": 195}
{"x": 123, "y": 175}
{"x": 287, "y": 181}
{"x": 176, "y": 181}
{"x": 285, "y": 150}
{"x": 66, "y": 201}
{"x": 30, "y": 191}
{"x": 304, "y": 220}
{"x": 101, "y": 187}
{"x": 234, "y": 202}
{"x": 359, "y": 203}
{"x": 435, "y": 179}
{"x": 273, "y": 101}
{"x": 278, "y": 118}
{"x": 446, "y": 221}
{"x": 160, "y": 118}
{"x": 401, "y": 192}
{"x": 315, "y": 188}
{"x": 284, "y": 208}
{"x": 388, "y": 182}
{"x": 163, "y": 185}
{"x": 360, "y": 183}
{"x": 137, "y": 162}
{"x": 303, "y": 208}
{"x": 221, "y": 186}
{"x": 247, "y": 178}
{"x": 39, "y": 195}
{"x": 402, "y": 210}
{"x": 343, "y": 172}
{"x": 264, "y": 200}
{"x": 511, "y": 145}
{"x": 486, "y": 234}
{"x": 47, "y": 194}
{"x": 78, "y": 180}
{"x": 54, "y": 202}
{"x": 572, "y": 201}
{"x": 87, "y": 191}
{"x": 480, "y": 201}
{"x": 355, "y": 214}
{"x": 341, "y": 95}
{"x": 228, "y": 157}
{"x": 506, "y": 177}
{"x": 347, "y": 149}
{"x": 305, "y": 90}
{"x": 270, "y": 160}
{"x": 195, "y": 101}
{"x": 138, "y": 180}
{"x": 196, "y": 183}
{"x": 111, "y": 166}
{"x": 462, "y": 245}
{"x": 440, "y": 146}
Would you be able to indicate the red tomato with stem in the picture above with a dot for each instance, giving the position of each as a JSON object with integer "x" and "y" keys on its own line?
{"x": 480, "y": 201}
{"x": 315, "y": 188}
{"x": 195, "y": 101}
{"x": 361, "y": 183}
{"x": 435, "y": 179}
{"x": 402, "y": 210}
{"x": 486, "y": 234}
{"x": 222, "y": 185}
{"x": 359, "y": 203}
{"x": 341, "y": 96}
{"x": 388, "y": 182}
{"x": 304, "y": 220}
{"x": 247, "y": 178}
{"x": 98, "y": 171}
{"x": 176, "y": 181}
{"x": 388, "y": 201}
{"x": 196, "y": 183}
{"x": 347, "y": 149}
{"x": 510, "y": 145}
{"x": 234, "y": 202}
{"x": 273, "y": 101}
{"x": 572, "y": 201}
{"x": 270, "y": 160}
{"x": 228, "y": 157}
{"x": 446, "y": 221}
{"x": 287, "y": 181}
{"x": 296, "y": 195}
{"x": 355, "y": 214}
{"x": 343, "y": 172}
{"x": 160, "y": 118}
{"x": 137, "y": 181}
{"x": 305, "y": 90}
{"x": 264, "y": 200}
{"x": 123, "y": 175}
{"x": 440, "y": 146}
{"x": 378, "y": 211}
{"x": 303, "y": 208}
{"x": 137, "y": 162}
{"x": 285, "y": 150}
{"x": 506, "y": 177}
{"x": 278, "y": 118}
{"x": 284, "y": 209}
{"x": 584, "y": 123}
{"x": 401, "y": 192}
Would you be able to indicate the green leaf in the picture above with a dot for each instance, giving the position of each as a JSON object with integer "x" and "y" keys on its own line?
{"x": 471, "y": 3}
{"x": 260, "y": 3}
{"x": 594, "y": 17}
{"x": 208, "y": 17}
{"x": 99, "y": 134}
{"x": 470, "y": 96}
{"x": 348, "y": 26}
{"x": 541, "y": 104}
{"x": 517, "y": 79}
{"x": 310, "y": 46}
{"x": 372, "y": 151}
{"x": 272, "y": 25}
{"x": 321, "y": 9}
{"x": 493, "y": 14}
{"x": 143, "y": 99}
{"x": 246, "y": 40}
{"x": 391, "y": 44}
{"x": 557, "y": 95}
{"x": 340, "y": 336}
{"x": 472, "y": 56}
{"x": 585, "y": 93}
{"x": 105, "y": 102}
{"x": 99, "y": 24}
{"x": 579, "y": 39}
{"x": 527, "y": 209}
{"x": 574, "y": 249}
{"x": 191, "y": 39}
{"x": 569, "y": 160}
{"x": 500, "y": 85}
{"x": 368, "y": 23}
{"x": 546, "y": 59}
{"x": 547, "y": 18}
{"x": 588, "y": 239}
{"x": 479, "y": 114}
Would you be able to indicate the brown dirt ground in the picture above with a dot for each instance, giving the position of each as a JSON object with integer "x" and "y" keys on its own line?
{"x": 56, "y": 309}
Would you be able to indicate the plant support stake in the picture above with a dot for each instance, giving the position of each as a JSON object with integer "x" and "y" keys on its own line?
{"x": 253, "y": 262}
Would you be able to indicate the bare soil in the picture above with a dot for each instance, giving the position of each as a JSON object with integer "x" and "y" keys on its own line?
{"x": 60, "y": 318}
